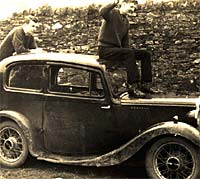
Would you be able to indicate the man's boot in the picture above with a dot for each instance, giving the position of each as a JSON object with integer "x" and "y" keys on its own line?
{"x": 134, "y": 91}
{"x": 147, "y": 88}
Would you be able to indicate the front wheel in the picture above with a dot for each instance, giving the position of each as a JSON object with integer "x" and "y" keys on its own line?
{"x": 13, "y": 145}
{"x": 173, "y": 158}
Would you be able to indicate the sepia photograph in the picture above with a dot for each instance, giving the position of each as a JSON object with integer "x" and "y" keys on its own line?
{"x": 101, "y": 89}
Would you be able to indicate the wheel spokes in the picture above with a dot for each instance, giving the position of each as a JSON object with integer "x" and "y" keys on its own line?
{"x": 174, "y": 161}
{"x": 11, "y": 146}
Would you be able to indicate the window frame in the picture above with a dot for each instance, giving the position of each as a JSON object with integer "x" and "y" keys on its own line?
{"x": 77, "y": 66}
{"x": 21, "y": 63}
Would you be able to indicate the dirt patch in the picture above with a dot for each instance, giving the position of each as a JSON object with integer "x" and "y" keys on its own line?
{"x": 35, "y": 169}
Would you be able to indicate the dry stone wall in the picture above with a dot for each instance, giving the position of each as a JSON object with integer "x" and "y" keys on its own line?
{"x": 169, "y": 30}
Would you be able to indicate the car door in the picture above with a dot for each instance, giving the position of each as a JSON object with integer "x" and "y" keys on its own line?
{"x": 78, "y": 117}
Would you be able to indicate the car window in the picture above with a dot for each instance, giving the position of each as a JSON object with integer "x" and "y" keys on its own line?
{"x": 76, "y": 81}
{"x": 72, "y": 77}
{"x": 26, "y": 76}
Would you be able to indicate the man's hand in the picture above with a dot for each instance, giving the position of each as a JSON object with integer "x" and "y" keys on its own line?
{"x": 121, "y": 1}
{"x": 37, "y": 50}
{"x": 116, "y": 2}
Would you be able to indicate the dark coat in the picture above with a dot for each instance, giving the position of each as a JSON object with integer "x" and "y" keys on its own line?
{"x": 114, "y": 28}
{"x": 16, "y": 41}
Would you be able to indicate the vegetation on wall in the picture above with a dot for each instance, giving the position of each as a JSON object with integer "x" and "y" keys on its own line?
{"x": 169, "y": 30}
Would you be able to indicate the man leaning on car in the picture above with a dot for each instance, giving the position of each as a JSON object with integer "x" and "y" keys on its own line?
{"x": 20, "y": 39}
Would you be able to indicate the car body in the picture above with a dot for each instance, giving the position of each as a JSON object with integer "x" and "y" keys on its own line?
{"x": 61, "y": 108}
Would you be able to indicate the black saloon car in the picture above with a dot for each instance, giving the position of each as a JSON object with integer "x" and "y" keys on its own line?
{"x": 61, "y": 108}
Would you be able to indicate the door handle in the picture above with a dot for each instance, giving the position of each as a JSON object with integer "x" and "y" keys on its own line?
{"x": 105, "y": 107}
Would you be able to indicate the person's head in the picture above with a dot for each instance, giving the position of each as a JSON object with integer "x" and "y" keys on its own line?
{"x": 126, "y": 7}
{"x": 30, "y": 25}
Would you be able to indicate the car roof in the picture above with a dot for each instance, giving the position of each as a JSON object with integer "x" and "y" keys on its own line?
{"x": 82, "y": 59}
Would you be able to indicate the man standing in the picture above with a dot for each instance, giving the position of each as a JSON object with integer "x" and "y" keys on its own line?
{"x": 113, "y": 42}
{"x": 20, "y": 39}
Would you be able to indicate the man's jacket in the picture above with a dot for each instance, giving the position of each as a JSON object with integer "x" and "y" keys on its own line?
{"x": 16, "y": 41}
{"x": 114, "y": 28}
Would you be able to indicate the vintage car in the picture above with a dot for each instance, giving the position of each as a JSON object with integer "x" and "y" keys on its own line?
{"x": 61, "y": 108}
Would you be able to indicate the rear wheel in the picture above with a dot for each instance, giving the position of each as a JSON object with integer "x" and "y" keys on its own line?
{"x": 173, "y": 158}
{"x": 13, "y": 145}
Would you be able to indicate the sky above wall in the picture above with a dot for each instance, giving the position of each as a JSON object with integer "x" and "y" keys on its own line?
{"x": 7, "y": 7}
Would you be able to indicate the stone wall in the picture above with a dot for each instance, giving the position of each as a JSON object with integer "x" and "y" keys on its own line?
{"x": 170, "y": 31}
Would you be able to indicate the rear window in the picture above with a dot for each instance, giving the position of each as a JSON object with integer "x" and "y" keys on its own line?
{"x": 26, "y": 76}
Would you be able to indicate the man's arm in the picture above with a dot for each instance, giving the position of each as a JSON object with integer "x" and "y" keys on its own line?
{"x": 125, "y": 41}
{"x": 105, "y": 10}
{"x": 33, "y": 44}
{"x": 18, "y": 42}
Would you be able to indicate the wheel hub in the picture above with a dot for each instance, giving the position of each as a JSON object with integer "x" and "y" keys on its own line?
{"x": 173, "y": 163}
{"x": 10, "y": 143}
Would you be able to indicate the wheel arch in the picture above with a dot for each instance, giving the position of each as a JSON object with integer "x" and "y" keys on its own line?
{"x": 147, "y": 137}
{"x": 182, "y": 130}
{"x": 22, "y": 122}
{"x": 149, "y": 143}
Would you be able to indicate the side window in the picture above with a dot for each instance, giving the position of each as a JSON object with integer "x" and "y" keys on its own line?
{"x": 26, "y": 76}
{"x": 76, "y": 81}
{"x": 73, "y": 77}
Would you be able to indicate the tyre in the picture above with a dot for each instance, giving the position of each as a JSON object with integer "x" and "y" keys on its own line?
{"x": 13, "y": 145}
{"x": 173, "y": 158}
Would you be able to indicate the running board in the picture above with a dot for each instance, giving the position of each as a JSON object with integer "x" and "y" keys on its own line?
{"x": 84, "y": 161}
